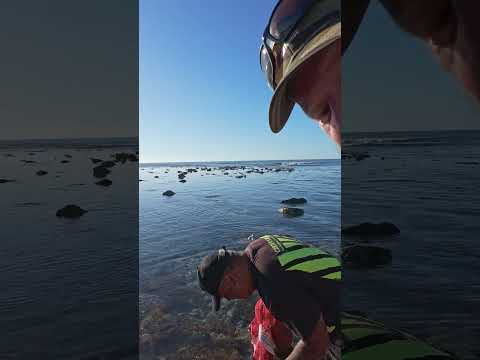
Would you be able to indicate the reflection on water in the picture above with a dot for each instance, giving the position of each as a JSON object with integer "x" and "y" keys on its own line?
{"x": 208, "y": 211}
{"x": 422, "y": 183}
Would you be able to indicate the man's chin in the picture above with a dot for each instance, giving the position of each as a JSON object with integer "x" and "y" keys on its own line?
{"x": 332, "y": 131}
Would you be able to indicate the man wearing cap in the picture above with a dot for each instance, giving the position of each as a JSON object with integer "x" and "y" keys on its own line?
{"x": 300, "y": 57}
{"x": 299, "y": 284}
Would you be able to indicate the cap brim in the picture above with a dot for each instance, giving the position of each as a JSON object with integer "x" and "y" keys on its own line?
{"x": 281, "y": 106}
{"x": 216, "y": 300}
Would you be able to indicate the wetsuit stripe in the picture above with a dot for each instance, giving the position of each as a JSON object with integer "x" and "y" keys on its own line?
{"x": 371, "y": 340}
{"x": 312, "y": 263}
{"x": 319, "y": 267}
{"x": 355, "y": 333}
{"x": 337, "y": 275}
{"x": 432, "y": 357}
{"x": 299, "y": 255}
{"x": 406, "y": 349}
{"x": 293, "y": 248}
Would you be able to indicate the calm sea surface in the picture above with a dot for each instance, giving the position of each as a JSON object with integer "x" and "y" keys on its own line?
{"x": 211, "y": 210}
{"x": 69, "y": 286}
{"x": 427, "y": 183}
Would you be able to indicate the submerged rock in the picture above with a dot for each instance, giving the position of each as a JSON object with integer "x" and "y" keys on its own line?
{"x": 123, "y": 157}
{"x": 3, "y": 181}
{"x": 95, "y": 161}
{"x": 168, "y": 193}
{"x": 41, "y": 172}
{"x": 366, "y": 256}
{"x": 100, "y": 171}
{"x": 291, "y": 212}
{"x": 371, "y": 229}
{"x": 182, "y": 181}
{"x": 107, "y": 164}
{"x": 65, "y": 161}
{"x": 104, "y": 182}
{"x": 294, "y": 201}
{"x": 71, "y": 212}
{"x": 68, "y": 156}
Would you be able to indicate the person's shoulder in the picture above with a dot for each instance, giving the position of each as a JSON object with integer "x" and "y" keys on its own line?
{"x": 262, "y": 256}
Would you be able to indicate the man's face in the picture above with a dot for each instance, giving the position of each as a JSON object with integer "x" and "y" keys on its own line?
{"x": 235, "y": 284}
{"x": 316, "y": 87}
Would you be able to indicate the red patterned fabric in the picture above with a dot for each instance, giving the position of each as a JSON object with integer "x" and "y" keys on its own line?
{"x": 268, "y": 334}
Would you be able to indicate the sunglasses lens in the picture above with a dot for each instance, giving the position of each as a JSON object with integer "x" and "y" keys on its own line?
{"x": 287, "y": 14}
{"x": 267, "y": 66}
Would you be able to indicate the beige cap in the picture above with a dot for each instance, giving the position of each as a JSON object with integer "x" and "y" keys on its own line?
{"x": 281, "y": 106}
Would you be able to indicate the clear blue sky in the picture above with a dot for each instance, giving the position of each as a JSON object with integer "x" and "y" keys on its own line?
{"x": 203, "y": 96}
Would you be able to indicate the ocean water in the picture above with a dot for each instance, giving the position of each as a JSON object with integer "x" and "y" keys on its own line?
{"x": 207, "y": 212}
{"x": 426, "y": 183}
{"x": 69, "y": 286}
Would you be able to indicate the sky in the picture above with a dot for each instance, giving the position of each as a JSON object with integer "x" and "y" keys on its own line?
{"x": 390, "y": 82}
{"x": 203, "y": 96}
{"x": 69, "y": 69}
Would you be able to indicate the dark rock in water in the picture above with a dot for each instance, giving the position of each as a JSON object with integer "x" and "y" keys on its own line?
{"x": 467, "y": 162}
{"x": 28, "y": 161}
{"x": 358, "y": 156}
{"x": 71, "y": 212}
{"x": 9, "y": 155}
{"x": 291, "y": 212}
{"x": 30, "y": 204}
{"x": 41, "y": 172}
{"x": 107, "y": 164}
{"x": 104, "y": 182}
{"x": 140, "y": 180}
{"x": 191, "y": 170}
{"x": 123, "y": 157}
{"x": 181, "y": 176}
{"x": 225, "y": 173}
{"x": 366, "y": 256}
{"x": 65, "y": 161}
{"x": 100, "y": 171}
{"x": 371, "y": 229}
{"x": 3, "y": 181}
{"x": 182, "y": 181}
{"x": 241, "y": 176}
{"x": 168, "y": 193}
{"x": 68, "y": 156}
{"x": 294, "y": 201}
{"x": 95, "y": 161}
{"x": 156, "y": 176}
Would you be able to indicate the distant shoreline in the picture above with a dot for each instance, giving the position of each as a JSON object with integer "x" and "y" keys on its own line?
{"x": 81, "y": 143}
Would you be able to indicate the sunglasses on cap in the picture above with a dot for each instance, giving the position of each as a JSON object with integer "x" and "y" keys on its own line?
{"x": 292, "y": 24}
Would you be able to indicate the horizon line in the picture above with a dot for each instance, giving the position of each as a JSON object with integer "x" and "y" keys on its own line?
{"x": 219, "y": 161}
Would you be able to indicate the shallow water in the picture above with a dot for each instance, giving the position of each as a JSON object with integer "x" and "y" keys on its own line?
{"x": 426, "y": 184}
{"x": 211, "y": 210}
{"x": 67, "y": 283}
